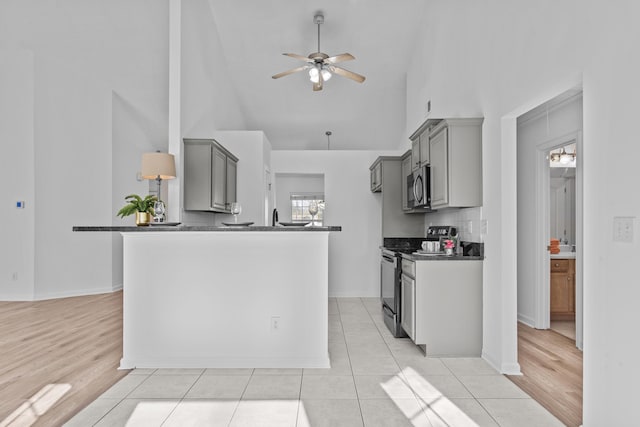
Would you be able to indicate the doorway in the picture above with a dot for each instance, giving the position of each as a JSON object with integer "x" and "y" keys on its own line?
{"x": 562, "y": 232}
{"x": 541, "y": 132}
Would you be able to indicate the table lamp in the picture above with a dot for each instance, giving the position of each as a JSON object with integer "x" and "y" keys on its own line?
{"x": 158, "y": 166}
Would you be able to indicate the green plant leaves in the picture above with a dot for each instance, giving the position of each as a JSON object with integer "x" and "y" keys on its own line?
{"x": 136, "y": 203}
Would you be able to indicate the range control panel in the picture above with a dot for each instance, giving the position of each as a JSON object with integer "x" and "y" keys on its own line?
{"x": 435, "y": 232}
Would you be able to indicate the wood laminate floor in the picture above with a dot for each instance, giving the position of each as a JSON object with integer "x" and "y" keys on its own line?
{"x": 552, "y": 372}
{"x": 57, "y": 356}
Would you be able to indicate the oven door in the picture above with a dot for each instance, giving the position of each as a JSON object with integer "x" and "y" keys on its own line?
{"x": 388, "y": 280}
{"x": 390, "y": 293}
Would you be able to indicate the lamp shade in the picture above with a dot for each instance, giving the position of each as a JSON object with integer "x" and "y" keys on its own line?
{"x": 158, "y": 164}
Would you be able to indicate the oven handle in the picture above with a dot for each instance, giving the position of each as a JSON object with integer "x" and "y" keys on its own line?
{"x": 387, "y": 311}
{"x": 389, "y": 259}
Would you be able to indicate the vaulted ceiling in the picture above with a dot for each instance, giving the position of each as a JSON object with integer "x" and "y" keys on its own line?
{"x": 379, "y": 33}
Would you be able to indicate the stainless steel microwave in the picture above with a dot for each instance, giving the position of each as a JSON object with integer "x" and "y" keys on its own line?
{"x": 418, "y": 189}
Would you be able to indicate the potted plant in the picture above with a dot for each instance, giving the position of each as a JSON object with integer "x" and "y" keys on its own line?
{"x": 143, "y": 208}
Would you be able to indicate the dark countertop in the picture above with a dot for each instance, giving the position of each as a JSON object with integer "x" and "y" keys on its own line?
{"x": 182, "y": 227}
{"x": 420, "y": 257}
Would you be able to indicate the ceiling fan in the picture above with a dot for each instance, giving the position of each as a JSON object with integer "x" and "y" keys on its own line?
{"x": 320, "y": 65}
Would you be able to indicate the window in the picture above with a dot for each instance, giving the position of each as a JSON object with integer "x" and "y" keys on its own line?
{"x": 300, "y": 204}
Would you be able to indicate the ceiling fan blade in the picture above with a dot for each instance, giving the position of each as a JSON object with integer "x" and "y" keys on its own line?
{"x": 286, "y": 73}
{"x": 300, "y": 57}
{"x": 339, "y": 58}
{"x": 348, "y": 74}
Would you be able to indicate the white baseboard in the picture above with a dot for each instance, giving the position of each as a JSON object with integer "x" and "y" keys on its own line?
{"x": 77, "y": 293}
{"x": 503, "y": 368}
{"x": 529, "y": 321}
{"x": 224, "y": 362}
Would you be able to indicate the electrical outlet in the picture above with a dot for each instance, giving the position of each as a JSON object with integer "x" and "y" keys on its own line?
{"x": 14, "y": 276}
{"x": 275, "y": 323}
{"x": 469, "y": 227}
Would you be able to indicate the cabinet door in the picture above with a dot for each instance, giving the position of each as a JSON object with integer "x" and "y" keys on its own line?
{"x": 376, "y": 178}
{"x": 197, "y": 177}
{"x": 560, "y": 297}
{"x": 415, "y": 154}
{"x": 438, "y": 153}
{"x": 407, "y": 305}
{"x": 218, "y": 179}
{"x": 232, "y": 174}
{"x": 406, "y": 171}
{"x": 424, "y": 149}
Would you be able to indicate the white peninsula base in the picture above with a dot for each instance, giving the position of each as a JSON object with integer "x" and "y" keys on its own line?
{"x": 225, "y": 300}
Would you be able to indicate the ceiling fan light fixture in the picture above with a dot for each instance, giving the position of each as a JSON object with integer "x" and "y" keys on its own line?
{"x": 326, "y": 75}
{"x": 321, "y": 66}
{"x": 314, "y": 75}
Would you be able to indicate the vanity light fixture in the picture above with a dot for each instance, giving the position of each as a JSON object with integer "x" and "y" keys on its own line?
{"x": 563, "y": 157}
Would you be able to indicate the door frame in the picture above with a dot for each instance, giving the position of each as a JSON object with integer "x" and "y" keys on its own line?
{"x": 543, "y": 220}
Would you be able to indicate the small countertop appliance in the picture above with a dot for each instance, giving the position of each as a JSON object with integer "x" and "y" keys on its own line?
{"x": 440, "y": 233}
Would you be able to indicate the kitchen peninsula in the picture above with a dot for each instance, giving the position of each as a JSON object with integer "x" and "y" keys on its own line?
{"x": 224, "y": 297}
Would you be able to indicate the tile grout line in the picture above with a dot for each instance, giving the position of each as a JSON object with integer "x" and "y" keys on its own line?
{"x": 121, "y": 398}
{"x": 241, "y": 396}
{"x": 182, "y": 398}
{"x": 353, "y": 377}
{"x": 401, "y": 375}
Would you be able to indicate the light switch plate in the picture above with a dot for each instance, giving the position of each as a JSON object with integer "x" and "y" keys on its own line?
{"x": 485, "y": 227}
{"x": 623, "y": 229}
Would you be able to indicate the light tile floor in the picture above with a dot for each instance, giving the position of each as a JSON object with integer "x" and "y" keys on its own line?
{"x": 374, "y": 380}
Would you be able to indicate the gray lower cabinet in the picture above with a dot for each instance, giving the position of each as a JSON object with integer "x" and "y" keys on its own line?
{"x": 210, "y": 176}
{"x": 442, "y": 307}
{"x": 407, "y": 301}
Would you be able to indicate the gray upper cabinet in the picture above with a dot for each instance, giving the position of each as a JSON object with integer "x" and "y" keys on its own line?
{"x": 210, "y": 176}
{"x": 455, "y": 147}
{"x": 420, "y": 155}
{"x": 415, "y": 153}
{"x": 424, "y": 148}
{"x": 406, "y": 171}
{"x": 375, "y": 174}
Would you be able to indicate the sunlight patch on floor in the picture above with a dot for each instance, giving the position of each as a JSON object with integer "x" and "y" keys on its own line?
{"x": 29, "y": 412}
{"x": 438, "y": 408}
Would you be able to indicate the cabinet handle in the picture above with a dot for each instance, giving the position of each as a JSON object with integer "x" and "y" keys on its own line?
{"x": 557, "y": 265}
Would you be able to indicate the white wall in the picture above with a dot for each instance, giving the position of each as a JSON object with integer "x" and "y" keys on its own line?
{"x": 542, "y": 126}
{"x": 500, "y": 59}
{"x": 208, "y": 102}
{"x": 81, "y": 57}
{"x": 354, "y": 257}
{"x": 73, "y": 182}
{"x": 17, "y": 175}
{"x": 288, "y": 184}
